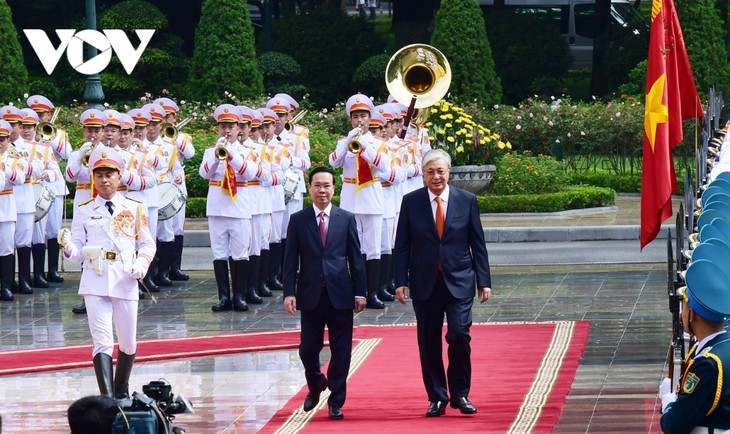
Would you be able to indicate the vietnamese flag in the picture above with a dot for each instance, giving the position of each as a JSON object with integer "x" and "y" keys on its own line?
{"x": 671, "y": 96}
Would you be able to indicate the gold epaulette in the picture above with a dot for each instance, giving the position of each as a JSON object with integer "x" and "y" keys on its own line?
{"x": 86, "y": 201}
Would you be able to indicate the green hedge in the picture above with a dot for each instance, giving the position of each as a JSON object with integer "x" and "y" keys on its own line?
{"x": 572, "y": 197}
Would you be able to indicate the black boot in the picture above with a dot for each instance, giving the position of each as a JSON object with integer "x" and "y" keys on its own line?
{"x": 104, "y": 374}
{"x": 383, "y": 294}
{"x": 53, "y": 252}
{"x": 220, "y": 269}
{"x": 281, "y": 267}
{"x": 263, "y": 289}
{"x": 241, "y": 271}
{"x": 176, "y": 262}
{"x": 121, "y": 377}
{"x": 148, "y": 278}
{"x": 7, "y": 270}
{"x": 39, "y": 261}
{"x": 80, "y": 309}
{"x": 24, "y": 286}
{"x": 372, "y": 270}
{"x": 254, "y": 270}
{"x": 142, "y": 295}
{"x": 275, "y": 267}
{"x": 164, "y": 250}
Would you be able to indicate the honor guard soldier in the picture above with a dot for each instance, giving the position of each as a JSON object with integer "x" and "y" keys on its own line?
{"x": 278, "y": 156}
{"x": 147, "y": 195}
{"x": 185, "y": 150}
{"x": 702, "y": 402}
{"x": 229, "y": 218}
{"x": 260, "y": 201}
{"x": 294, "y": 187}
{"x": 24, "y": 197}
{"x": 77, "y": 166}
{"x": 261, "y": 217}
{"x": 51, "y": 173}
{"x": 106, "y": 232}
{"x": 167, "y": 172}
{"x": 12, "y": 173}
{"x": 57, "y": 139}
{"x": 362, "y": 193}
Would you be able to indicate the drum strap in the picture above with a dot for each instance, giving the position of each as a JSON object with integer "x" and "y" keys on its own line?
{"x": 173, "y": 157}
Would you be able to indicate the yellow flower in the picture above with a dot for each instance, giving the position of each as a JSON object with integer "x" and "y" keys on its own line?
{"x": 500, "y": 145}
{"x": 450, "y": 139}
{"x": 448, "y": 125}
{"x": 509, "y": 145}
{"x": 428, "y": 124}
{"x": 459, "y": 149}
{"x": 458, "y": 133}
{"x": 442, "y": 131}
{"x": 469, "y": 135}
{"x": 433, "y": 110}
{"x": 443, "y": 117}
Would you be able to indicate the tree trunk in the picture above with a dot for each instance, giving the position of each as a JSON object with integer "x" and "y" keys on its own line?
{"x": 599, "y": 79}
{"x": 413, "y": 21}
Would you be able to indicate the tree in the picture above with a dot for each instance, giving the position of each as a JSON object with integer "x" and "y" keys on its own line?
{"x": 14, "y": 75}
{"x": 460, "y": 33}
{"x": 413, "y": 21}
{"x": 224, "y": 58}
{"x": 599, "y": 78}
{"x": 705, "y": 41}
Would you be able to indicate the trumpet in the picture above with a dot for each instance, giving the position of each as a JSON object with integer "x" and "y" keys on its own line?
{"x": 290, "y": 124}
{"x": 12, "y": 152}
{"x": 169, "y": 130}
{"x": 87, "y": 155}
{"x": 220, "y": 151}
{"x": 354, "y": 145}
{"x": 47, "y": 130}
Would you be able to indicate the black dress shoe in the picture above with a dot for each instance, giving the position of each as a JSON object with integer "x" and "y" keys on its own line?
{"x": 436, "y": 409}
{"x": 335, "y": 412}
{"x": 463, "y": 405}
{"x": 312, "y": 398}
{"x": 80, "y": 309}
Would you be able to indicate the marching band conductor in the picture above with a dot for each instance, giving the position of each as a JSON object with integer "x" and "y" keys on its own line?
{"x": 107, "y": 230}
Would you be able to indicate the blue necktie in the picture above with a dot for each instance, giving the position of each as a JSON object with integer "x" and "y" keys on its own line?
{"x": 110, "y": 207}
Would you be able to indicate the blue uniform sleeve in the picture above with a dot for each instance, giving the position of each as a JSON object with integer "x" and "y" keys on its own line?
{"x": 695, "y": 398}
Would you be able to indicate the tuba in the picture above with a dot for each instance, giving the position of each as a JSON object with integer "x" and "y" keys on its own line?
{"x": 420, "y": 74}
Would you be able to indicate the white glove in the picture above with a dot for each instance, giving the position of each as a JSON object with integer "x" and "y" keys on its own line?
{"x": 64, "y": 238}
{"x": 84, "y": 148}
{"x": 354, "y": 132}
{"x": 139, "y": 269}
{"x": 666, "y": 394}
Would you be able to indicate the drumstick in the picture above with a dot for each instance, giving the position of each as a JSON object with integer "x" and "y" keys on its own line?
{"x": 63, "y": 220}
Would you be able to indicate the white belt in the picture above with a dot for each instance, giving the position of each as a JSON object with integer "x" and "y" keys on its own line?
{"x": 705, "y": 430}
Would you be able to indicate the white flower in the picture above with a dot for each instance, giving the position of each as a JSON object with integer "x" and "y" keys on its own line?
{"x": 497, "y": 122}
{"x": 531, "y": 115}
{"x": 582, "y": 133}
{"x": 618, "y": 114}
{"x": 570, "y": 135}
{"x": 518, "y": 127}
{"x": 496, "y": 106}
{"x": 324, "y": 110}
{"x": 552, "y": 97}
{"x": 550, "y": 123}
{"x": 544, "y": 118}
{"x": 182, "y": 102}
{"x": 593, "y": 97}
{"x": 519, "y": 118}
{"x": 557, "y": 140}
{"x": 25, "y": 95}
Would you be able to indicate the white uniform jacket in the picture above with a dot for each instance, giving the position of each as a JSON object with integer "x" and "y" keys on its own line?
{"x": 119, "y": 236}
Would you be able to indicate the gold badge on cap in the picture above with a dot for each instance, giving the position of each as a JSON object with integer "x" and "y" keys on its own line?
{"x": 225, "y": 110}
{"x": 92, "y": 115}
{"x": 103, "y": 155}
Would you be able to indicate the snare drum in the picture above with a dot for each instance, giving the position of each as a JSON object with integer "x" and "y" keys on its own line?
{"x": 291, "y": 183}
{"x": 172, "y": 200}
{"x": 44, "y": 198}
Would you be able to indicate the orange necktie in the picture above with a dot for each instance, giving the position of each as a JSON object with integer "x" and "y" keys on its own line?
{"x": 439, "y": 217}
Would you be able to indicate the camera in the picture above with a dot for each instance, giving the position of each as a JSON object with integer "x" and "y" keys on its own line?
{"x": 152, "y": 411}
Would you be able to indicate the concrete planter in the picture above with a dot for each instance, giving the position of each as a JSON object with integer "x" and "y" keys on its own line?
{"x": 472, "y": 178}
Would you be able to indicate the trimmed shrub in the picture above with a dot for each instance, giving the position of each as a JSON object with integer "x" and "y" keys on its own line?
{"x": 369, "y": 77}
{"x": 572, "y": 197}
{"x": 224, "y": 58}
{"x": 528, "y": 174}
{"x": 281, "y": 74}
{"x": 469, "y": 54}
{"x": 12, "y": 68}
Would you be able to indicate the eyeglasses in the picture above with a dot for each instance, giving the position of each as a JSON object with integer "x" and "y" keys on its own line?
{"x": 440, "y": 172}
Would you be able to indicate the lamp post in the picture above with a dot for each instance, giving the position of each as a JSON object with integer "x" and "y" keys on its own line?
{"x": 93, "y": 94}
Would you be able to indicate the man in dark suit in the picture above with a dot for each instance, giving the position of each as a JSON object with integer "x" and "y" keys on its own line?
{"x": 441, "y": 257}
{"x": 324, "y": 278}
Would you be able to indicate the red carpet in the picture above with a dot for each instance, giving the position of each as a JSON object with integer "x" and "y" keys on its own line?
{"x": 521, "y": 375}
{"x": 79, "y": 356}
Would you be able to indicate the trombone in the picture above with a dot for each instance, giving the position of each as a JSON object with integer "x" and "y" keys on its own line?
{"x": 298, "y": 117}
{"x": 169, "y": 130}
{"x": 47, "y": 130}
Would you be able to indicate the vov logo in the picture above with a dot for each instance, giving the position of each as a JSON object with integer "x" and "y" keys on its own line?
{"x": 72, "y": 43}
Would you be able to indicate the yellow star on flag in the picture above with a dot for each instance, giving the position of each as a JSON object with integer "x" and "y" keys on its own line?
{"x": 656, "y": 112}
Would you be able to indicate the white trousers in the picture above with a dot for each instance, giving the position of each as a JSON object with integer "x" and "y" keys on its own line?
{"x": 103, "y": 312}
{"x": 39, "y": 230}
{"x": 55, "y": 215}
{"x": 369, "y": 230}
{"x": 24, "y": 230}
{"x": 260, "y": 224}
{"x": 293, "y": 206}
{"x": 152, "y": 217}
{"x": 7, "y": 243}
{"x": 387, "y": 236}
{"x": 276, "y": 218}
{"x": 165, "y": 232}
{"x": 229, "y": 237}
{"x": 178, "y": 222}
